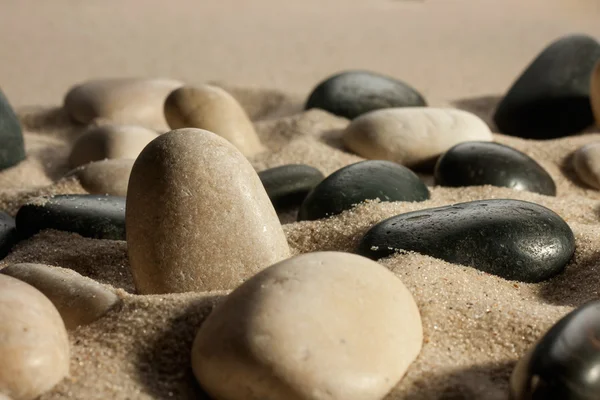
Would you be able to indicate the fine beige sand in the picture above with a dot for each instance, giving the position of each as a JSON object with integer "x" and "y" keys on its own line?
{"x": 458, "y": 53}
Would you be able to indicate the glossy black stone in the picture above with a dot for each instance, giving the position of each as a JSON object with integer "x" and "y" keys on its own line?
{"x": 551, "y": 98}
{"x": 93, "y": 216}
{"x": 352, "y": 93}
{"x": 513, "y": 239}
{"x": 564, "y": 363}
{"x": 288, "y": 185}
{"x": 12, "y": 147}
{"x": 487, "y": 163}
{"x": 355, "y": 183}
{"x": 8, "y": 234}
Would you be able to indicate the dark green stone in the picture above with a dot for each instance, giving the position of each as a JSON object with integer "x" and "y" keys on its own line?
{"x": 93, "y": 216}
{"x": 513, "y": 239}
{"x": 365, "y": 180}
{"x": 353, "y": 93}
{"x": 487, "y": 163}
{"x": 12, "y": 146}
{"x": 551, "y": 98}
{"x": 288, "y": 185}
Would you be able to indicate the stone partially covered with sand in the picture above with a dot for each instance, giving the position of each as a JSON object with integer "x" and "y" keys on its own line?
{"x": 215, "y": 110}
{"x": 595, "y": 93}
{"x": 198, "y": 217}
{"x": 412, "y": 136}
{"x": 104, "y": 177}
{"x": 133, "y": 101}
{"x": 79, "y": 300}
{"x": 323, "y": 325}
{"x": 586, "y": 161}
{"x": 34, "y": 346}
{"x": 110, "y": 142}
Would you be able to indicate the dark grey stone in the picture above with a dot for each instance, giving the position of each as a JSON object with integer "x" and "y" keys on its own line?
{"x": 12, "y": 146}
{"x": 288, "y": 185}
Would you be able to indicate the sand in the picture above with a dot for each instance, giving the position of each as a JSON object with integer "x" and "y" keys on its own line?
{"x": 460, "y": 53}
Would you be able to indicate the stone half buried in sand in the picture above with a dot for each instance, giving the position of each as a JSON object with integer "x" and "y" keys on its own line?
{"x": 324, "y": 325}
{"x": 109, "y": 177}
{"x": 110, "y": 142}
{"x": 93, "y": 216}
{"x": 12, "y": 146}
{"x": 586, "y": 162}
{"x": 563, "y": 364}
{"x": 198, "y": 216}
{"x": 486, "y": 163}
{"x": 8, "y": 234}
{"x": 513, "y": 239}
{"x": 79, "y": 300}
{"x": 551, "y": 98}
{"x": 355, "y": 183}
{"x": 34, "y": 346}
{"x": 288, "y": 185}
{"x": 413, "y": 137}
{"x": 595, "y": 93}
{"x": 134, "y": 101}
{"x": 213, "y": 109}
{"x": 352, "y": 93}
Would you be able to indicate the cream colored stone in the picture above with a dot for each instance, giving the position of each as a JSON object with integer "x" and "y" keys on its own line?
{"x": 586, "y": 161}
{"x": 412, "y": 136}
{"x": 79, "y": 300}
{"x": 213, "y": 109}
{"x": 34, "y": 346}
{"x": 133, "y": 101}
{"x": 104, "y": 177}
{"x": 320, "y": 326}
{"x": 110, "y": 142}
{"x": 595, "y": 92}
{"x": 198, "y": 217}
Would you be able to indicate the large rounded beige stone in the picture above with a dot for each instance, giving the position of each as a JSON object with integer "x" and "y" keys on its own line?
{"x": 595, "y": 92}
{"x": 132, "y": 101}
{"x": 198, "y": 217}
{"x": 34, "y": 346}
{"x": 110, "y": 142}
{"x": 213, "y": 109}
{"x": 79, "y": 300}
{"x": 412, "y": 136}
{"x": 104, "y": 177}
{"x": 318, "y": 326}
{"x": 586, "y": 161}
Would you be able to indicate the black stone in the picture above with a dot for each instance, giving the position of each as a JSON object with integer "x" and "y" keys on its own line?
{"x": 352, "y": 93}
{"x": 8, "y": 234}
{"x": 551, "y": 98}
{"x": 288, "y": 185}
{"x": 513, "y": 239}
{"x": 12, "y": 146}
{"x": 564, "y": 364}
{"x": 93, "y": 216}
{"x": 487, "y": 163}
{"x": 355, "y": 183}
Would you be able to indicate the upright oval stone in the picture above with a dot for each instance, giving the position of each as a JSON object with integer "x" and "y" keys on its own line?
{"x": 109, "y": 177}
{"x": 132, "y": 101}
{"x": 552, "y": 96}
{"x": 288, "y": 185}
{"x": 110, "y": 142}
{"x": 353, "y": 93}
{"x": 355, "y": 183}
{"x": 198, "y": 217}
{"x": 34, "y": 346}
{"x": 513, "y": 239}
{"x": 213, "y": 109}
{"x": 586, "y": 161}
{"x": 413, "y": 137}
{"x": 484, "y": 163}
{"x": 79, "y": 300}
{"x": 12, "y": 145}
{"x": 323, "y": 325}
{"x": 563, "y": 363}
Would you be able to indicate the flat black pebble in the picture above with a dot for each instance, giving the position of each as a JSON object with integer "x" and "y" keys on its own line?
{"x": 93, "y": 216}
{"x": 352, "y": 93}
{"x": 12, "y": 147}
{"x": 487, "y": 163}
{"x": 551, "y": 98}
{"x": 8, "y": 234}
{"x": 288, "y": 185}
{"x": 355, "y": 183}
{"x": 564, "y": 364}
{"x": 513, "y": 239}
